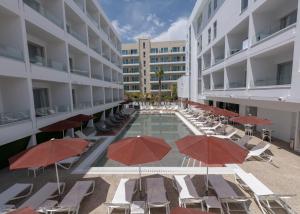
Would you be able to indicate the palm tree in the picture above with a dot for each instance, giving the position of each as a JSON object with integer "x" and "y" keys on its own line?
{"x": 159, "y": 74}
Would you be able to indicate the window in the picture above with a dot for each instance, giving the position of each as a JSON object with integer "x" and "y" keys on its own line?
{"x": 183, "y": 49}
{"x": 209, "y": 9}
{"x": 215, "y": 4}
{"x": 144, "y": 72}
{"x": 41, "y": 97}
{"x": 124, "y": 52}
{"x": 144, "y": 45}
{"x": 215, "y": 29}
{"x": 145, "y": 81}
{"x": 199, "y": 23}
{"x": 244, "y": 5}
{"x": 200, "y": 43}
{"x": 284, "y": 73}
{"x": 154, "y": 50}
{"x": 144, "y": 54}
{"x": 144, "y": 63}
{"x": 209, "y": 35}
{"x": 36, "y": 53}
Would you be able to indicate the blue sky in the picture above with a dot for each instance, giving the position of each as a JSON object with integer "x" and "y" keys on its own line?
{"x": 160, "y": 20}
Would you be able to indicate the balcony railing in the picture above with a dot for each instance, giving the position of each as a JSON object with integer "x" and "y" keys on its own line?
{"x": 11, "y": 52}
{"x": 241, "y": 84}
{"x": 42, "y": 61}
{"x": 92, "y": 19}
{"x": 269, "y": 82}
{"x": 44, "y": 12}
{"x": 97, "y": 75}
{"x": 98, "y": 102}
{"x": 81, "y": 72}
{"x": 219, "y": 86}
{"x": 13, "y": 117}
{"x": 53, "y": 110}
{"x": 76, "y": 35}
{"x": 270, "y": 30}
{"x": 97, "y": 49}
{"x": 79, "y": 4}
{"x": 108, "y": 100}
{"x": 82, "y": 105}
{"x": 107, "y": 78}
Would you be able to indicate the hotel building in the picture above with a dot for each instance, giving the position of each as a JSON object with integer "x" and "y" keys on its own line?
{"x": 58, "y": 58}
{"x": 244, "y": 55}
{"x": 142, "y": 59}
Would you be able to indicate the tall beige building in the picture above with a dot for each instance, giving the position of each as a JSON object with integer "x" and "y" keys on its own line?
{"x": 142, "y": 59}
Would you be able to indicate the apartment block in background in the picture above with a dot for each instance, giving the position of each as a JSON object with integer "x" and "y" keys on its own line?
{"x": 142, "y": 59}
{"x": 244, "y": 55}
{"x": 58, "y": 58}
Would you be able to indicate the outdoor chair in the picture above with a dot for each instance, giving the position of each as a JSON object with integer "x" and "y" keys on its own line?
{"x": 15, "y": 192}
{"x": 259, "y": 152}
{"x": 156, "y": 194}
{"x": 123, "y": 195}
{"x": 72, "y": 200}
{"x": 48, "y": 191}
{"x": 267, "y": 201}
{"x": 227, "y": 195}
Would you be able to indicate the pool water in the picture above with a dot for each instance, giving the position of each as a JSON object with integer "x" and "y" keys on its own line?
{"x": 168, "y": 127}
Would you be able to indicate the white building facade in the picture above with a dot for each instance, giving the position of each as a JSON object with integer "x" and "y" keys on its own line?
{"x": 58, "y": 58}
{"x": 244, "y": 55}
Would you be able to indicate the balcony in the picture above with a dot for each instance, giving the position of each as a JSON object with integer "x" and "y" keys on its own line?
{"x": 11, "y": 52}
{"x": 269, "y": 19}
{"x": 237, "y": 76}
{"x": 78, "y": 62}
{"x": 80, "y": 4}
{"x": 98, "y": 102}
{"x": 277, "y": 66}
{"x": 94, "y": 41}
{"x": 45, "y": 11}
{"x": 50, "y": 98}
{"x": 218, "y": 80}
{"x": 207, "y": 82}
{"x": 206, "y": 60}
{"x": 218, "y": 51}
{"x": 96, "y": 69}
{"x": 238, "y": 38}
{"x": 81, "y": 96}
{"x": 75, "y": 26}
{"x": 14, "y": 100}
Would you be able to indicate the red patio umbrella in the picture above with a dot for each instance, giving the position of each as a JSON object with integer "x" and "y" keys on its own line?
{"x": 48, "y": 153}
{"x": 138, "y": 150}
{"x": 61, "y": 126}
{"x": 180, "y": 210}
{"x": 224, "y": 112}
{"x": 26, "y": 210}
{"x": 252, "y": 120}
{"x": 211, "y": 150}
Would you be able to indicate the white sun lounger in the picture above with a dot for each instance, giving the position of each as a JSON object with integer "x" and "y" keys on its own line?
{"x": 48, "y": 191}
{"x": 80, "y": 134}
{"x": 15, "y": 192}
{"x": 187, "y": 193}
{"x": 268, "y": 201}
{"x": 229, "y": 135}
{"x": 71, "y": 202}
{"x": 68, "y": 163}
{"x": 259, "y": 152}
{"x": 123, "y": 195}
{"x": 212, "y": 127}
{"x": 156, "y": 194}
{"x": 227, "y": 195}
{"x": 242, "y": 141}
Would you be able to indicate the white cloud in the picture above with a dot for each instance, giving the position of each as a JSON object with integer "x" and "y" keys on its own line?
{"x": 154, "y": 19}
{"x": 177, "y": 31}
{"x": 143, "y": 35}
{"x": 121, "y": 30}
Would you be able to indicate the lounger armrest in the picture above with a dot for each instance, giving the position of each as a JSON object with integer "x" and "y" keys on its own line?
{"x": 62, "y": 189}
{"x": 92, "y": 188}
{"x": 162, "y": 204}
{"x": 119, "y": 205}
{"x": 275, "y": 196}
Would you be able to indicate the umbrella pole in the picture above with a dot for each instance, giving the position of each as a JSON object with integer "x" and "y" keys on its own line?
{"x": 57, "y": 178}
{"x": 207, "y": 180}
{"x": 140, "y": 180}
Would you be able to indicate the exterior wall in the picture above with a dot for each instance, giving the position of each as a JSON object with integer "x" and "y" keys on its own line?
{"x": 143, "y": 80}
{"x": 251, "y": 42}
{"x": 46, "y": 25}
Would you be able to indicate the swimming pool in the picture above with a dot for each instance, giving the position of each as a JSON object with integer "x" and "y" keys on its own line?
{"x": 168, "y": 127}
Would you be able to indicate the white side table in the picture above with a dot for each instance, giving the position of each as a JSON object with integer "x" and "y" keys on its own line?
{"x": 138, "y": 207}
